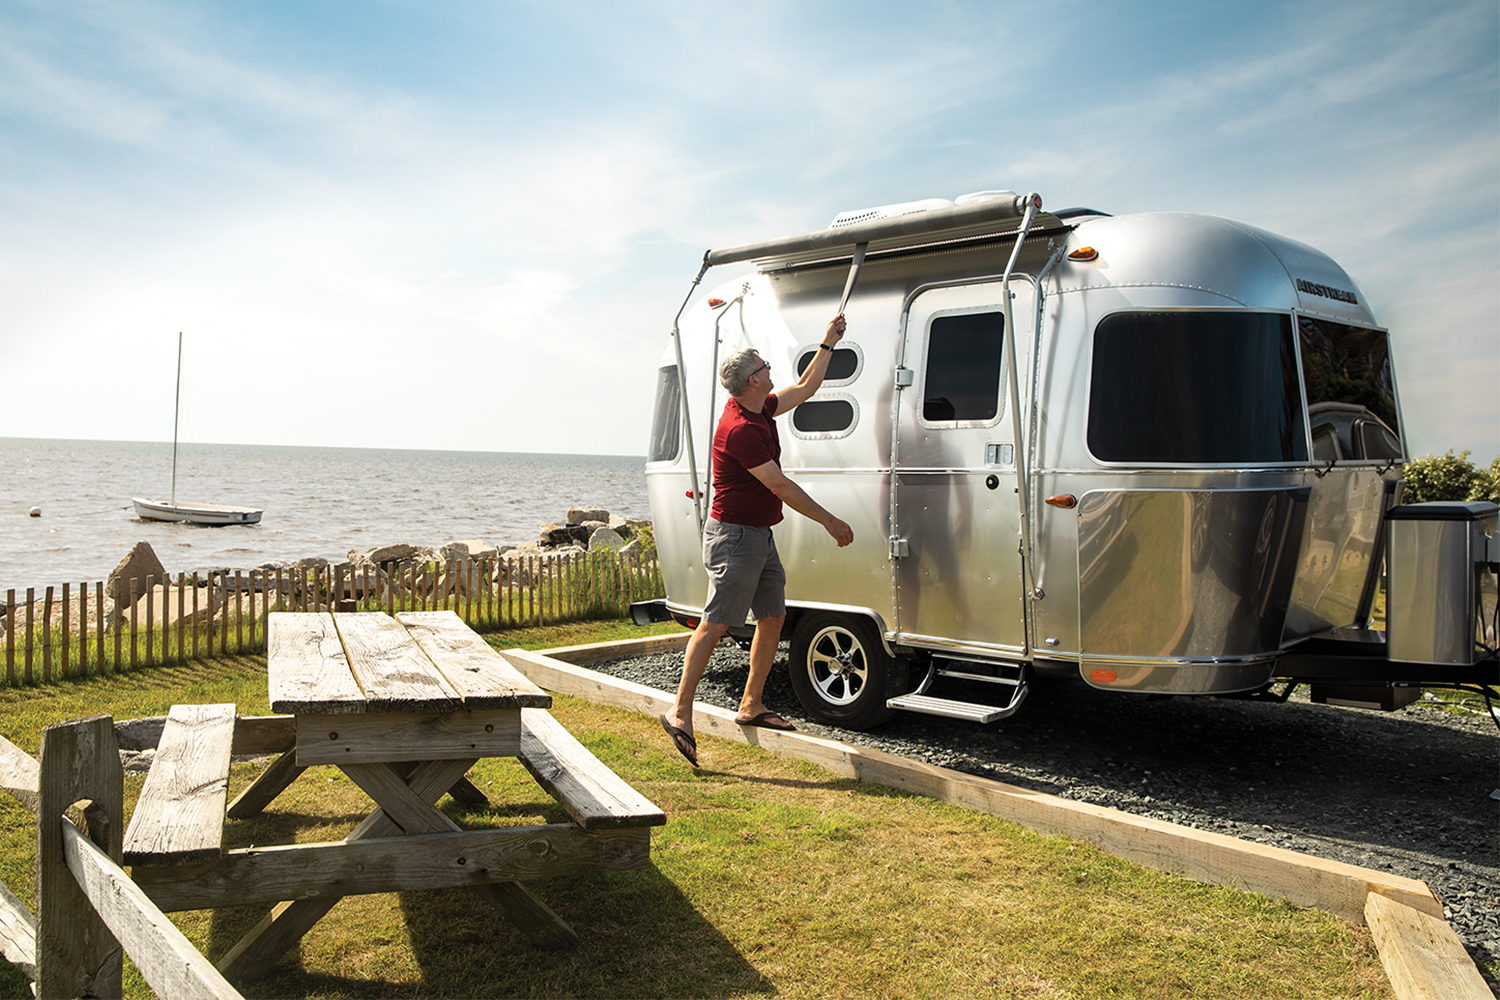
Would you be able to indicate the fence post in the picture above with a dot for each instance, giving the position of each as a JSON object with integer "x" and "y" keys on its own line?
{"x": 181, "y": 617}
{"x": 75, "y": 953}
{"x": 47, "y": 637}
{"x": 10, "y": 637}
{"x": 150, "y": 620}
{"x": 99, "y": 625}
{"x": 67, "y": 630}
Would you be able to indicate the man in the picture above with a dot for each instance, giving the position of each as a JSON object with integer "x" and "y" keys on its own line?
{"x": 739, "y": 552}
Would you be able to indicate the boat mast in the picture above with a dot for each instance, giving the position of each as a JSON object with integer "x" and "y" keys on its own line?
{"x": 176, "y": 410}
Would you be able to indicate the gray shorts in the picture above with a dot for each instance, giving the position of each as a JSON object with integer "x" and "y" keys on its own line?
{"x": 744, "y": 573}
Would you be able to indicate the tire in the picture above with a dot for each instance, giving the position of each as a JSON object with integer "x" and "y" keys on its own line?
{"x": 841, "y": 672}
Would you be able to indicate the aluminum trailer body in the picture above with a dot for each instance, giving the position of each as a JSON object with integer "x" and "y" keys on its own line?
{"x": 1165, "y": 468}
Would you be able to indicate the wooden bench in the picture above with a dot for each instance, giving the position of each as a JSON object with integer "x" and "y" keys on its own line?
{"x": 596, "y": 797}
{"x": 179, "y": 818}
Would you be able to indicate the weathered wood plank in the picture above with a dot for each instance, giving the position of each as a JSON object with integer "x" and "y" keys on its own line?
{"x": 593, "y": 795}
{"x": 1198, "y": 854}
{"x": 440, "y": 860}
{"x": 305, "y": 665}
{"x": 17, "y": 933}
{"x": 179, "y": 817}
{"x": 76, "y": 955}
{"x": 263, "y": 790}
{"x": 258, "y": 735}
{"x": 1423, "y": 958}
{"x": 19, "y": 773}
{"x": 483, "y": 677}
{"x": 388, "y": 736}
{"x": 392, "y": 670}
{"x": 411, "y": 812}
{"x": 169, "y": 963}
{"x": 594, "y": 652}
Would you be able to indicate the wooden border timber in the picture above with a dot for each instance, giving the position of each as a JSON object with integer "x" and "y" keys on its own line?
{"x": 1422, "y": 955}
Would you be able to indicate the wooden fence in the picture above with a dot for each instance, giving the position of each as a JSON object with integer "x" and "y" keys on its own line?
{"x": 67, "y": 632}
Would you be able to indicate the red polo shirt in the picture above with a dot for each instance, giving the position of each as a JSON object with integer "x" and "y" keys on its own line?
{"x": 743, "y": 441}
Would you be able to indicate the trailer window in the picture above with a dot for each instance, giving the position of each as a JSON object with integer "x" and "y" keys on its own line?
{"x": 1195, "y": 388}
{"x": 962, "y": 378}
{"x": 666, "y": 422}
{"x": 825, "y": 417}
{"x": 842, "y": 367}
{"x": 1351, "y": 389}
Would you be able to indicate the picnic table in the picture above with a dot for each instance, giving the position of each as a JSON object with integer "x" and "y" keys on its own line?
{"x": 404, "y": 706}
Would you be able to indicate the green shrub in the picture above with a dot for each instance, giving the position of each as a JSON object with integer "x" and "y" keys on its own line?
{"x": 1487, "y": 483}
{"x": 1445, "y": 477}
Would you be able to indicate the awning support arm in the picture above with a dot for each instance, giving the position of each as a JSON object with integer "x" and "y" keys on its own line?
{"x": 687, "y": 421}
{"x": 1033, "y": 205}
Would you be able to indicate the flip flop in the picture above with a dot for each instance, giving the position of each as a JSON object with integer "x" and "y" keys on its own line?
{"x": 768, "y": 720}
{"x": 682, "y": 740}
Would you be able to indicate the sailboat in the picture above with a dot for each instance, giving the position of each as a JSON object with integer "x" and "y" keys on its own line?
{"x": 209, "y": 514}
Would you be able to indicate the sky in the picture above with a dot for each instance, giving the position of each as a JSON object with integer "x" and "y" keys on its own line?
{"x": 468, "y": 225}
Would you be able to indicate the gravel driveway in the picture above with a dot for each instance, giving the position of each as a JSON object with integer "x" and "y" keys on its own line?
{"x": 1412, "y": 792}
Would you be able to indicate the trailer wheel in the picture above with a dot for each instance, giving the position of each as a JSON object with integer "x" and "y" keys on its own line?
{"x": 841, "y": 671}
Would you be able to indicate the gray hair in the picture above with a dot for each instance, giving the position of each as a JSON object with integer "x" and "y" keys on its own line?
{"x": 734, "y": 373}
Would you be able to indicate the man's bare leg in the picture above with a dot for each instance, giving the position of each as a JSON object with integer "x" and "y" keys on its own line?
{"x": 762, "y": 659}
{"x": 699, "y": 648}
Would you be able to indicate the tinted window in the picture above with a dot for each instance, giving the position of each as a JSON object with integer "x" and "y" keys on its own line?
{"x": 1348, "y": 370}
{"x": 824, "y": 415}
{"x": 1378, "y": 440}
{"x": 1199, "y": 388}
{"x": 666, "y": 422}
{"x": 842, "y": 365}
{"x": 962, "y": 381}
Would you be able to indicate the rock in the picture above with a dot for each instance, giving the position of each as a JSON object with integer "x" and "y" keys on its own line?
{"x": 632, "y": 548}
{"x": 140, "y": 734}
{"x": 391, "y": 553}
{"x": 592, "y": 526}
{"x": 552, "y": 536}
{"x": 621, "y": 526}
{"x": 138, "y": 564}
{"x": 467, "y": 550}
{"x": 605, "y": 539}
{"x": 311, "y": 562}
{"x": 577, "y": 515}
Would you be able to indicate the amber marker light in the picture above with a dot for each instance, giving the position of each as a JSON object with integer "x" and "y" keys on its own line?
{"x": 1084, "y": 253}
{"x": 1067, "y": 501}
{"x": 715, "y": 303}
{"x": 1103, "y": 676}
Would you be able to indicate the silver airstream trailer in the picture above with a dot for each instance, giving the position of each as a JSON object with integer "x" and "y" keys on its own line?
{"x": 1158, "y": 453}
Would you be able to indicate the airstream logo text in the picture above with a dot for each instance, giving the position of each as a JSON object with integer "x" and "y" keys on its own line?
{"x": 1325, "y": 292}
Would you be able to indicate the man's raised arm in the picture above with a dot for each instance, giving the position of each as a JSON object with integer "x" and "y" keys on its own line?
{"x": 812, "y": 376}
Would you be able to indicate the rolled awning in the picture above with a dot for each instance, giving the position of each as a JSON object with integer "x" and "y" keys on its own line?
{"x": 960, "y": 220}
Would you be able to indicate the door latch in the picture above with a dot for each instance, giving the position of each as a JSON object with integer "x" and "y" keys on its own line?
{"x": 904, "y": 377}
{"x": 900, "y": 548}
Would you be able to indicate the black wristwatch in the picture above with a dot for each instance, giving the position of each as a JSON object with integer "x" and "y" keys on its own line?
{"x": 826, "y": 348}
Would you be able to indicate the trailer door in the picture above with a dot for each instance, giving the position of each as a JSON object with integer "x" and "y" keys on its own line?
{"x": 955, "y": 544}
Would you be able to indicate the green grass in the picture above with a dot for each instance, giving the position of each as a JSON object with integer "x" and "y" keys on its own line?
{"x": 772, "y": 877}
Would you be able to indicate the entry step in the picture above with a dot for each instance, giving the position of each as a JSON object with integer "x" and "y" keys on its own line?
{"x": 929, "y": 705}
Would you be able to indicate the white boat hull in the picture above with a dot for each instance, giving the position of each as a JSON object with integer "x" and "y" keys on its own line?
{"x": 204, "y": 513}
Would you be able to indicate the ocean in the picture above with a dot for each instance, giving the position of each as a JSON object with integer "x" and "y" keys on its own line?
{"x": 317, "y": 501}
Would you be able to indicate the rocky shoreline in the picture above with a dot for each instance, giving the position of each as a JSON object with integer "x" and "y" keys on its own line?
{"x": 583, "y": 529}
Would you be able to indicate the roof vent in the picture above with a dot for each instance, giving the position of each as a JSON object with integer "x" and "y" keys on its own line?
{"x": 888, "y": 211}
{"x": 978, "y": 196}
